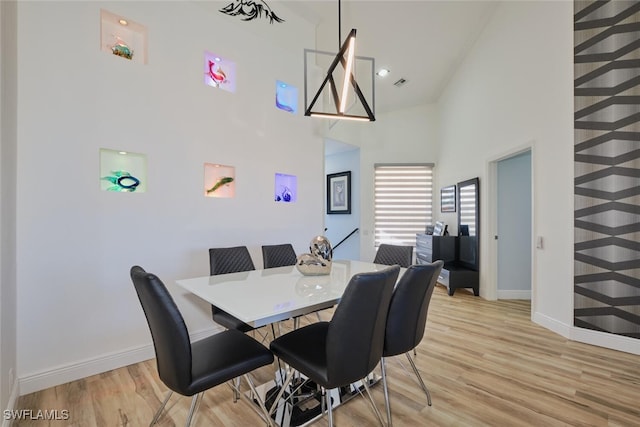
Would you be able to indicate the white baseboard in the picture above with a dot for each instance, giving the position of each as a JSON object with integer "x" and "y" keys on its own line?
{"x": 13, "y": 400}
{"x": 588, "y": 336}
{"x": 514, "y": 294}
{"x": 85, "y": 368}
{"x": 605, "y": 339}
{"x": 552, "y": 324}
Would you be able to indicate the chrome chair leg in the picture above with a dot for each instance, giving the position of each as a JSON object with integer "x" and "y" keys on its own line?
{"x": 415, "y": 370}
{"x": 265, "y": 412}
{"x": 156, "y": 417}
{"x": 236, "y": 389}
{"x": 254, "y": 397}
{"x": 285, "y": 383}
{"x": 365, "y": 382}
{"x": 385, "y": 387}
{"x": 195, "y": 401}
{"x": 327, "y": 396}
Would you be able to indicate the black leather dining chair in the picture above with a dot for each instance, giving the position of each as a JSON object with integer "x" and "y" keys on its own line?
{"x": 278, "y": 255}
{"x": 348, "y": 348}
{"x": 187, "y": 368}
{"x": 394, "y": 254}
{"x": 407, "y": 318}
{"x": 229, "y": 260}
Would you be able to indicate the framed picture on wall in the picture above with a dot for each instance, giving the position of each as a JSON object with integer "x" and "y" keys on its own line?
{"x": 448, "y": 199}
{"x": 339, "y": 193}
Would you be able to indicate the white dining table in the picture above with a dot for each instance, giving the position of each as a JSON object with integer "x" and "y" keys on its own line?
{"x": 262, "y": 297}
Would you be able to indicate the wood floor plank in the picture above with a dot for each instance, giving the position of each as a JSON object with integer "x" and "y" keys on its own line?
{"x": 485, "y": 363}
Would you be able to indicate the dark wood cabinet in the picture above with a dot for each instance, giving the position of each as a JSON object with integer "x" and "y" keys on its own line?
{"x": 456, "y": 272}
{"x": 430, "y": 248}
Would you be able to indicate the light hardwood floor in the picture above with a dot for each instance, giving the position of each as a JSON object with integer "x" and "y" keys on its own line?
{"x": 485, "y": 363}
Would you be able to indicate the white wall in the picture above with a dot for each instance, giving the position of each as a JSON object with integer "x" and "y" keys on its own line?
{"x": 8, "y": 152}
{"x": 77, "y": 311}
{"x": 404, "y": 136}
{"x": 340, "y": 225}
{"x": 515, "y": 89}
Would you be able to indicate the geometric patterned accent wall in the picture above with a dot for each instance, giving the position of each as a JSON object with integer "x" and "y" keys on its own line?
{"x": 607, "y": 166}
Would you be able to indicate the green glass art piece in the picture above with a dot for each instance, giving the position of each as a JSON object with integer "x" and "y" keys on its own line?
{"x": 122, "y": 181}
{"x": 120, "y": 48}
{"x": 222, "y": 181}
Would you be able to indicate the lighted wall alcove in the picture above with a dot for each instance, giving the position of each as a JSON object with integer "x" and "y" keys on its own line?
{"x": 219, "y": 180}
{"x": 123, "y": 171}
{"x": 286, "y": 97}
{"x": 286, "y": 188}
{"x": 219, "y": 72}
{"x": 122, "y": 37}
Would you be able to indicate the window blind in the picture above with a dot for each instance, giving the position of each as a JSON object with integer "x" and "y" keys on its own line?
{"x": 403, "y": 199}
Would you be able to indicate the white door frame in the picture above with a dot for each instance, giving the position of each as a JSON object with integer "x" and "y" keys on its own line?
{"x": 491, "y": 283}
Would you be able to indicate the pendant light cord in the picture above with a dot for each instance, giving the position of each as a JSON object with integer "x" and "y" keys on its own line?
{"x": 339, "y": 25}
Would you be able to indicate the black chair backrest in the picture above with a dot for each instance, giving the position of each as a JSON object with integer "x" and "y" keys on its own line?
{"x": 168, "y": 330}
{"x": 409, "y": 306}
{"x": 394, "y": 254}
{"x": 278, "y": 255}
{"x": 355, "y": 337}
{"x": 230, "y": 260}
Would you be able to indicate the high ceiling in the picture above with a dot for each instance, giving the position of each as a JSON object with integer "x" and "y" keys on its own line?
{"x": 420, "y": 41}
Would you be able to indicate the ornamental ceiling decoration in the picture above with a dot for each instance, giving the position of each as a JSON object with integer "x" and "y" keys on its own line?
{"x": 250, "y": 10}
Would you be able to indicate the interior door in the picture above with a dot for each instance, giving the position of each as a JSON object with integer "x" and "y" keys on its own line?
{"x": 514, "y": 227}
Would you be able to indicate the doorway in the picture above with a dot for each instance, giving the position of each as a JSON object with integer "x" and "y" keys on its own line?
{"x": 514, "y": 207}
{"x": 339, "y": 229}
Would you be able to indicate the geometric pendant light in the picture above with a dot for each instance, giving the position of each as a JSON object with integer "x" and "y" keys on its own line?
{"x": 341, "y": 87}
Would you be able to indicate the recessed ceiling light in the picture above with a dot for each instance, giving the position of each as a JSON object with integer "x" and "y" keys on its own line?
{"x": 123, "y": 22}
{"x": 383, "y": 72}
{"x": 122, "y": 152}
